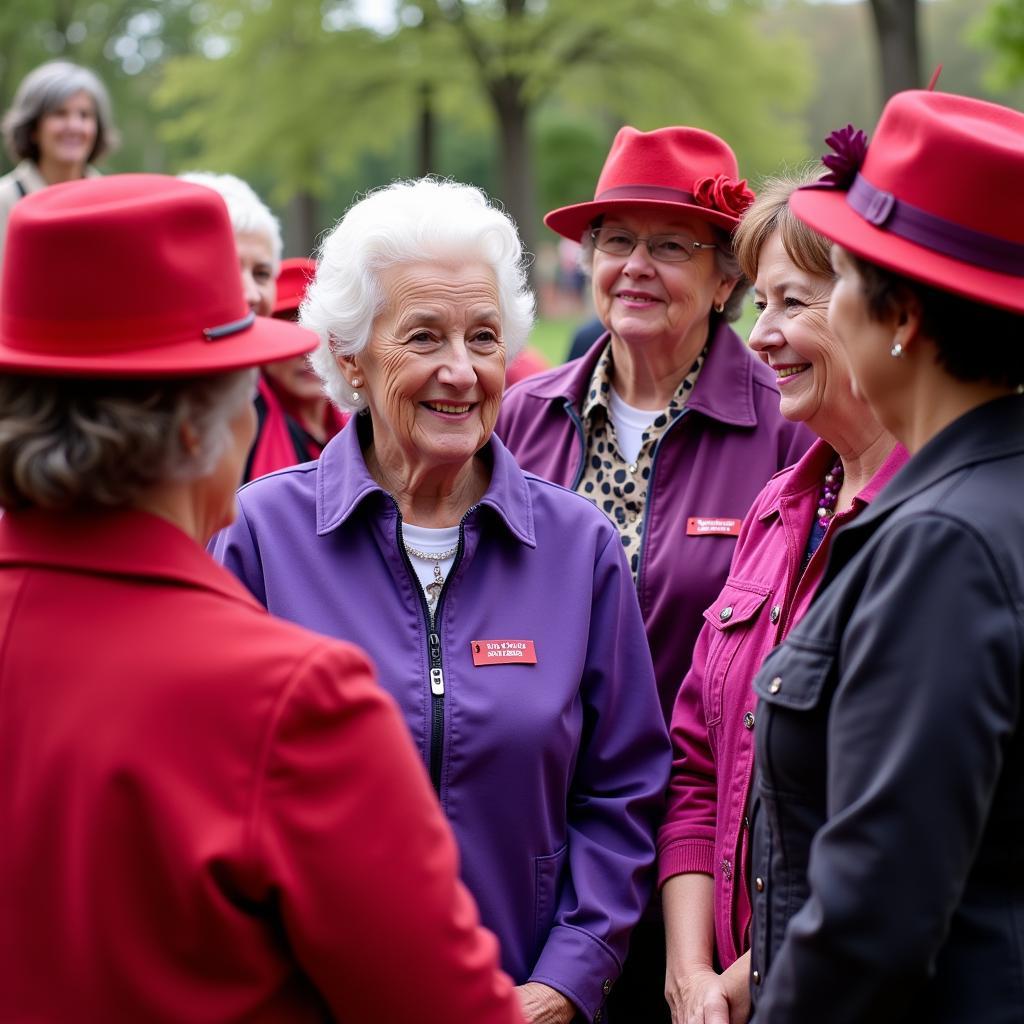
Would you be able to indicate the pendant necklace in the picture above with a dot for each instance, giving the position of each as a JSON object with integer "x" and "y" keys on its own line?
{"x": 433, "y": 590}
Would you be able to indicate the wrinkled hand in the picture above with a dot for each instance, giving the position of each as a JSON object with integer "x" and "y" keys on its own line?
{"x": 542, "y": 1004}
{"x": 704, "y": 997}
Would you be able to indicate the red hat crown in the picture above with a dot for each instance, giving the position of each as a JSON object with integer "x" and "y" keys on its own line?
{"x": 129, "y": 275}
{"x": 934, "y": 196}
{"x": 293, "y": 279}
{"x": 677, "y": 169}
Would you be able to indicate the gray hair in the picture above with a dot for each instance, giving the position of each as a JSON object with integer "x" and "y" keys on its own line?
{"x": 726, "y": 264}
{"x": 245, "y": 208}
{"x": 73, "y": 444}
{"x": 419, "y": 221}
{"x": 44, "y": 90}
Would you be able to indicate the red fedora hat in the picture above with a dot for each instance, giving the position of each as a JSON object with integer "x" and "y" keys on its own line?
{"x": 132, "y": 275}
{"x": 293, "y": 279}
{"x": 933, "y": 198}
{"x": 671, "y": 170}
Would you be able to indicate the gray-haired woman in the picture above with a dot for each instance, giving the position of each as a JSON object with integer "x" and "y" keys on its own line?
{"x": 59, "y": 122}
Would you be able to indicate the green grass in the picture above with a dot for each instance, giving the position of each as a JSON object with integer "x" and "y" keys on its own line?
{"x": 551, "y": 335}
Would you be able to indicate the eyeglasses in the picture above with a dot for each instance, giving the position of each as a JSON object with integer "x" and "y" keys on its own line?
{"x": 666, "y": 248}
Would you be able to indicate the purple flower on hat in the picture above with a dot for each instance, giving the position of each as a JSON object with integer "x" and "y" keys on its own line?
{"x": 851, "y": 146}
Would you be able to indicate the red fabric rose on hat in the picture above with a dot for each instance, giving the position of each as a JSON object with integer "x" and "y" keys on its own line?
{"x": 724, "y": 194}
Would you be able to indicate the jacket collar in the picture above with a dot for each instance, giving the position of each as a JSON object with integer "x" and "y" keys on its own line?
{"x": 343, "y": 483}
{"x": 125, "y": 542}
{"x": 808, "y": 473}
{"x": 724, "y": 390}
{"x": 28, "y": 173}
{"x": 992, "y": 431}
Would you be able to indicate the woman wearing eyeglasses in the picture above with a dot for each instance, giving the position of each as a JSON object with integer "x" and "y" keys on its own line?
{"x": 668, "y": 424}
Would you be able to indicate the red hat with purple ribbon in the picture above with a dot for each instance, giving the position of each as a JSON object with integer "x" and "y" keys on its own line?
{"x": 674, "y": 170}
{"x": 935, "y": 196}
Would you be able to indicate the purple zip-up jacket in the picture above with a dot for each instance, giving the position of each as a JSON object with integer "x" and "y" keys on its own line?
{"x": 710, "y": 463}
{"x": 552, "y": 775}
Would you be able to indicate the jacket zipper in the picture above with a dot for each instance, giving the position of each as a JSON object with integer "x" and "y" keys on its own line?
{"x": 436, "y": 670}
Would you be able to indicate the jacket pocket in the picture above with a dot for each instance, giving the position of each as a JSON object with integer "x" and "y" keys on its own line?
{"x": 547, "y": 872}
{"x": 793, "y": 676}
{"x": 732, "y": 615}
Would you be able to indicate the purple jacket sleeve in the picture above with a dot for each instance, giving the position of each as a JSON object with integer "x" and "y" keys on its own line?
{"x": 617, "y": 796}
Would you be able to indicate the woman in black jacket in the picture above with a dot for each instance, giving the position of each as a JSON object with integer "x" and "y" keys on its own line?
{"x": 889, "y": 812}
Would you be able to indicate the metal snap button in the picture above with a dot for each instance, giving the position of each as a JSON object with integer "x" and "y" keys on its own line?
{"x": 607, "y": 986}
{"x": 726, "y": 613}
{"x": 748, "y": 720}
{"x": 759, "y": 884}
{"x": 775, "y": 613}
{"x": 775, "y": 685}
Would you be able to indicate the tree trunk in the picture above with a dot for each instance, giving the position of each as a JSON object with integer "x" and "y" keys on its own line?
{"x": 516, "y": 174}
{"x": 898, "y": 44}
{"x": 300, "y": 224}
{"x": 425, "y": 130}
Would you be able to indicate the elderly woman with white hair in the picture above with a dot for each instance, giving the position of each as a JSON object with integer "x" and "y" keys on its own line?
{"x": 59, "y": 122}
{"x": 294, "y": 417}
{"x": 534, "y": 706}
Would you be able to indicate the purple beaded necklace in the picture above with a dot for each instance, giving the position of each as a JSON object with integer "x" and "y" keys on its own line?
{"x": 829, "y": 495}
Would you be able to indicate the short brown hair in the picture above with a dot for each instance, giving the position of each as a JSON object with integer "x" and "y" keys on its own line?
{"x": 770, "y": 213}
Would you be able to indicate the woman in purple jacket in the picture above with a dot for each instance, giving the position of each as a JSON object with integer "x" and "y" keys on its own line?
{"x": 498, "y": 607}
{"x": 669, "y": 424}
{"x": 779, "y": 561}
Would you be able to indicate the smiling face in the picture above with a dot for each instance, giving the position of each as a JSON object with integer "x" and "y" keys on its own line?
{"x": 644, "y": 301}
{"x": 256, "y": 263}
{"x": 792, "y": 336}
{"x": 434, "y": 370}
{"x": 66, "y": 135}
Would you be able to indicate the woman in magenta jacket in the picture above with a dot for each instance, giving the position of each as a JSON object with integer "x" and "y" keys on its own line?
{"x": 779, "y": 560}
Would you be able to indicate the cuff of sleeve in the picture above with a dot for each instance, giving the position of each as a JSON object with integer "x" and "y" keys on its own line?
{"x": 686, "y": 855}
{"x": 579, "y": 965}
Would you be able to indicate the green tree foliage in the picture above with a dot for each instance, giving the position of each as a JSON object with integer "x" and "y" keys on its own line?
{"x": 1002, "y": 26}
{"x": 302, "y": 92}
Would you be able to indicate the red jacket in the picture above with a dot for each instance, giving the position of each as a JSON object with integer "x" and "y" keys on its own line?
{"x": 208, "y": 815}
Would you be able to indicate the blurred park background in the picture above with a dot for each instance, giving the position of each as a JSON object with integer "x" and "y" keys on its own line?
{"x": 315, "y": 101}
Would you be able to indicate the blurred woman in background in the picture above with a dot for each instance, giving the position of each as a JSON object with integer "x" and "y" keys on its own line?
{"x": 295, "y": 417}
{"x": 59, "y": 122}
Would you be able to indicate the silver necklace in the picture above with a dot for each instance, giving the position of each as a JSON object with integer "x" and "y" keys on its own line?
{"x": 433, "y": 590}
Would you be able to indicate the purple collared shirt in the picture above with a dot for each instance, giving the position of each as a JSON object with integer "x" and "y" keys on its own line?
{"x": 709, "y": 464}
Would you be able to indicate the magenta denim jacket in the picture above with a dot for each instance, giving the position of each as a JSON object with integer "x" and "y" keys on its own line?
{"x": 705, "y": 827}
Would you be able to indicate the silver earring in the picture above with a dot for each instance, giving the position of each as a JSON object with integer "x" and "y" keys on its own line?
{"x": 896, "y": 351}
{"x": 719, "y": 307}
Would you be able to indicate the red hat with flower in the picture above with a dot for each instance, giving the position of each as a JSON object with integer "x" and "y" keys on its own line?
{"x": 928, "y": 197}
{"x": 670, "y": 170}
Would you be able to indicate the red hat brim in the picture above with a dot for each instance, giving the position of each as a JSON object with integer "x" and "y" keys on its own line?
{"x": 572, "y": 221}
{"x": 827, "y": 211}
{"x": 265, "y": 341}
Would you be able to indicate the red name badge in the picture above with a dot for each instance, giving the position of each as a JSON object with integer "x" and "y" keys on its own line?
{"x": 703, "y": 526}
{"x": 503, "y": 652}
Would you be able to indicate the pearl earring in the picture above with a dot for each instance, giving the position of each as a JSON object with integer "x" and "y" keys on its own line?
{"x": 896, "y": 351}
